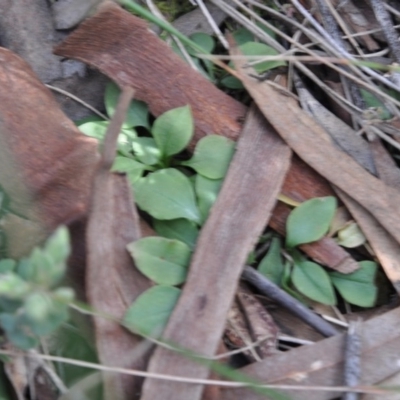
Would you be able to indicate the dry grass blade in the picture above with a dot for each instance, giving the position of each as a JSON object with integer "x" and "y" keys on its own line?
{"x": 236, "y": 220}
{"x": 112, "y": 281}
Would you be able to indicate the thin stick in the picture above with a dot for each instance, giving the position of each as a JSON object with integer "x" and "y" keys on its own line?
{"x": 275, "y": 293}
{"x": 113, "y": 130}
{"x": 352, "y": 355}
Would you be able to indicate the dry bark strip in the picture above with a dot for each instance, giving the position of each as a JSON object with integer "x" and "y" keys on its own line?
{"x": 46, "y": 163}
{"x": 321, "y": 364}
{"x": 237, "y": 219}
{"x": 112, "y": 282}
{"x": 112, "y": 41}
{"x": 121, "y": 46}
{"x": 306, "y": 138}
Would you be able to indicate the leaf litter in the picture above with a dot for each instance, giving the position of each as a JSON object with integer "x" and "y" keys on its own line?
{"x": 229, "y": 234}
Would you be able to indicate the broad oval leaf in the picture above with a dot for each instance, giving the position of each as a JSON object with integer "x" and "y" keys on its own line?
{"x": 271, "y": 265}
{"x": 261, "y": 49}
{"x": 231, "y": 82}
{"x": 313, "y": 281}
{"x": 164, "y": 261}
{"x": 149, "y": 313}
{"x": 310, "y": 221}
{"x": 98, "y": 129}
{"x": 167, "y": 194}
{"x": 212, "y": 156}
{"x": 146, "y": 150}
{"x": 129, "y": 166}
{"x": 137, "y": 113}
{"x": 180, "y": 229}
{"x": 358, "y": 287}
{"x": 207, "y": 192}
{"x": 251, "y": 48}
{"x": 173, "y": 130}
{"x": 204, "y": 40}
{"x": 126, "y": 164}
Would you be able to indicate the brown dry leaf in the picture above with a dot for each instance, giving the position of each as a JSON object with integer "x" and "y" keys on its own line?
{"x": 46, "y": 163}
{"x": 341, "y": 134}
{"x": 260, "y": 324}
{"x": 250, "y": 325}
{"x": 230, "y": 232}
{"x": 307, "y": 139}
{"x": 386, "y": 248}
{"x": 359, "y": 19}
{"x": 113, "y": 41}
{"x": 321, "y": 364}
{"x": 112, "y": 282}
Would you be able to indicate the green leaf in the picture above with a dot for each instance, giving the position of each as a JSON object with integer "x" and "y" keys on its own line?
{"x": 45, "y": 314}
{"x": 150, "y": 312}
{"x": 351, "y": 236}
{"x": 286, "y": 280}
{"x": 207, "y": 192}
{"x": 261, "y": 49}
{"x": 35, "y": 268}
{"x": 146, "y": 150}
{"x": 12, "y": 286}
{"x": 313, "y": 281}
{"x": 231, "y": 82}
{"x": 204, "y": 40}
{"x": 212, "y": 156}
{"x": 173, "y": 130}
{"x": 164, "y": 261}
{"x": 137, "y": 114}
{"x": 98, "y": 131}
{"x": 18, "y": 330}
{"x": 271, "y": 265}
{"x": 167, "y": 194}
{"x": 58, "y": 249}
{"x": 310, "y": 221}
{"x": 358, "y": 287}
{"x": 242, "y": 36}
{"x": 47, "y": 266}
{"x": 372, "y": 102}
{"x": 129, "y": 166}
{"x": 180, "y": 229}
{"x": 251, "y": 48}
{"x": 37, "y": 306}
{"x": 7, "y": 265}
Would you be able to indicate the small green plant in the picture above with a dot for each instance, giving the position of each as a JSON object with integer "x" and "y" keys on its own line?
{"x": 177, "y": 192}
{"x": 309, "y": 222}
{"x": 30, "y": 304}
